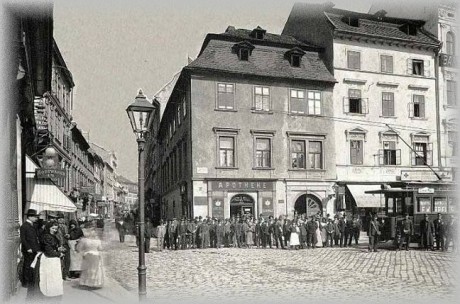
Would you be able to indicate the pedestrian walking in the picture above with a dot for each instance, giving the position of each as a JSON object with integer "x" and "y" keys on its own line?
{"x": 63, "y": 236}
{"x": 92, "y": 273}
{"x": 374, "y": 233}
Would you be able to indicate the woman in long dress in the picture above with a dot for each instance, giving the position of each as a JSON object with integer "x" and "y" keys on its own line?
{"x": 294, "y": 238}
{"x": 249, "y": 234}
{"x": 323, "y": 230}
{"x": 318, "y": 234}
{"x": 75, "y": 234}
{"x": 92, "y": 274}
{"x": 48, "y": 266}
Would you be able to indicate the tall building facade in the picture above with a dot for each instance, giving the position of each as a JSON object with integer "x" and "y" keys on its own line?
{"x": 441, "y": 20}
{"x": 385, "y": 102}
{"x": 245, "y": 130}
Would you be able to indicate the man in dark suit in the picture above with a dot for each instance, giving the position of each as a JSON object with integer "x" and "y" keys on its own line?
{"x": 407, "y": 232}
{"x": 30, "y": 245}
{"x": 426, "y": 233}
{"x": 341, "y": 225}
{"x": 330, "y": 231}
{"x": 278, "y": 233}
{"x": 439, "y": 231}
{"x": 311, "y": 232}
{"x": 374, "y": 233}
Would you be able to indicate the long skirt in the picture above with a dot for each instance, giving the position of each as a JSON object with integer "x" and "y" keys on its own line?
{"x": 319, "y": 238}
{"x": 249, "y": 239}
{"x": 75, "y": 257}
{"x": 92, "y": 273}
{"x": 51, "y": 284}
{"x": 294, "y": 240}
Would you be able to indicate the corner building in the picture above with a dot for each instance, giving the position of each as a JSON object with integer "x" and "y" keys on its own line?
{"x": 245, "y": 130}
{"x": 385, "y": 101}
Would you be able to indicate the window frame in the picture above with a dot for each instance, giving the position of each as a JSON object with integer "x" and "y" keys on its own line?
{"x": 350, "y": 53}
{"x": 254, "y": 108}
{"x": 421, "y": 109}
{"x": 422, "y": 67}
{"x": 304, "y": 99}
{"x": 224, "y": 132}
{"x": 314, "y": 100}
{"x": 306, "y": 139}
{"x": 304, "y": 152}
{"x": 219, "y": 150}
{"x": 262, "y": 134}
{"x": 384, "y": 67}
{"x": 451, "y": 92}
{"x": 450, "y": 43}
{"x": 226, "y": 84}
{"x": 361, "y": 153}
{"x": 392, "y": 100}
{"x": 386, "y": 158}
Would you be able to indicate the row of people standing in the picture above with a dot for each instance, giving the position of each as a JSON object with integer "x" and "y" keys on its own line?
{"x": 261, "y": 233}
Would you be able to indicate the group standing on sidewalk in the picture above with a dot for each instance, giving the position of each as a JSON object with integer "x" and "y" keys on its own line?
{"x": 53, "y": 252}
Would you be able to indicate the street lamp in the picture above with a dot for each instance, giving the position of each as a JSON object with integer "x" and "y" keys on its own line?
{"x": 140, "y": 114}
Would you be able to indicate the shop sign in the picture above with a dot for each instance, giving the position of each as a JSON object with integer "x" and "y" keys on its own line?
{"x": 50, "y": 173}
{"x": 426, "y": 190}
{"x": 267, "y": 204}
{"x": 218, "y": 207}
{"x": 424, "y": 175}
{"x": 446, "y": 60}
{"x": 242, "y": 185}
{"x": 87, "y": 189}
{"x": 440, "y": 205}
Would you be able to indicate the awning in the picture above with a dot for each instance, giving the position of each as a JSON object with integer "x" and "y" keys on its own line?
{"x": 389, "y": 190}
{"x": 43, "y": 194}
{"x": 366, "y": 200}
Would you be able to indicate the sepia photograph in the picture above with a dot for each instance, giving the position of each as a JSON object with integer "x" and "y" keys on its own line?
{"x": 297, "y": 151}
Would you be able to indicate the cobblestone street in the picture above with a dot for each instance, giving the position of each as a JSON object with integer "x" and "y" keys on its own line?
{"x": 273, "y": 276}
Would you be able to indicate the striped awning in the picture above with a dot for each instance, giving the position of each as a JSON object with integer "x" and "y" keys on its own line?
{"x": 43, "y": 194}
{"x": 363, "y": 199}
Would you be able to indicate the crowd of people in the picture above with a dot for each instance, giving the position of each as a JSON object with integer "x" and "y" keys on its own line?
{"x": 301, "y": 232}
{"x": 54, "y": 251}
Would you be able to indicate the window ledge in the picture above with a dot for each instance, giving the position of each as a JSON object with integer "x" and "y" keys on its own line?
{"x": 386, "y": 166}
{"x": 261, "y": 112}
{"x": 303, "y": 114}
{"x": 225, "y": 110}
{"x": 419, "y": 118}
{"x": 448, "y": 106}
{"x": 259, "y": 168}
{"x": 392, "y": 117}
{"x": 227, "y": 168}
{"x": 356, "y": 114}
{"x": 307, "y": 170}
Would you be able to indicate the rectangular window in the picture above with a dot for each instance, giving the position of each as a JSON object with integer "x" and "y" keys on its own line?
{"x": 418, "y": 110}
{"x": 424, "y": 205}
{"x": 244, "y": 54}
{"x": 184, "y": 106}
{"x": 417, "y": 67}
{"x": 388, "y": 104}
{"x": 451, "y": 92}
{"x": 354, "y": 60}
{"x": 261, "y": 98}
{"x": 354, "y": 99}
{"x": 440, "y": 204}
{"x": 452, "y": 141}
{"x": 225, "y": 96}
{"x": 263, "y": 153}
{"x": 386, "y": 64}
{"x": 226, "y": 151}
{"x": 315, "y": 155}
{"x": 391, "y": 156}
{"x": 421, "y": 152}
{"x": 356, "y": 152}
{"x": 298, "y": 102}
{"x": 178, "y": 115}
{"x": 314, "y": 103}
{"x": 298, "y": 154}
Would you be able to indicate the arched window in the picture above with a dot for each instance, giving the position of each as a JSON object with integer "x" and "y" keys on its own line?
{"x": 450, "y": 43}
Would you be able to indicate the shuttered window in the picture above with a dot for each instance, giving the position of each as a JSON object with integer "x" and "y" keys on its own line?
{"x": 386, "y": 64}
{"x": 356, "y": 152}
{"x": 354, "y": 60}
{"x": 388, "y": 104}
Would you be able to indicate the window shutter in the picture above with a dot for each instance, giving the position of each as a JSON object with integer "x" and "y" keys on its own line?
{"x": 381, "y": 160}
{"x": 429, "y": 154}
{"x": 426, "y": 68}
{"x": 364, "y": 107}
{"x": 409, "y": 66}
{"x": 422, "y": 109}
{"x": 346, "y": 105}
{"x": 398, "y": 157}
{"x": 391, "y": 107}
{"x": 412, "y": 158}
{"x": 410, "y": 108}
{"x": 353, "y": 152}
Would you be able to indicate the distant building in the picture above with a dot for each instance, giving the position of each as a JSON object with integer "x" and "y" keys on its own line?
{"x": 130, "y": 191}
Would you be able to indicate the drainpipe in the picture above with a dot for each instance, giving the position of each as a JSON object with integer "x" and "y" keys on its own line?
{"x": 438, "y": 107}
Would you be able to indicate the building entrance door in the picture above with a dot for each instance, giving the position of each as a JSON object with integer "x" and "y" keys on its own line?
{"x": 241, "y": 205}
{"x": 308, "y": 204}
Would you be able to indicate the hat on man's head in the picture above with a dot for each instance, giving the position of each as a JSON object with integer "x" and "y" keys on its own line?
{"x": 32, "y": 212}
{"x": 60, "y": 215}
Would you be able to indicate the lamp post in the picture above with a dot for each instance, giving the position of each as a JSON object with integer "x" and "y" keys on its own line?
{"x": 140, "y": 114}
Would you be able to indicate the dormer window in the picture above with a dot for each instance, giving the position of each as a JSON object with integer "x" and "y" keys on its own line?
{"x": 351, "y": 21}
{"x": 243, "y": 50}
{"x": 258, "y": 33}
{"x": 409, "y": 29}
{"x": 243, "y": 54}
{"x": 294, "y": 56}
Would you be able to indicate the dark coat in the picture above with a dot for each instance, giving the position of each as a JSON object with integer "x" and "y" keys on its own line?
{"x": 50, "y": 245}
{"x": 407, "y": 225}
{"x": 426, "y": 232}
{"x": 29, "y": 238}
{"x": 439, "y": 227}
{"x": 312, "y": 226}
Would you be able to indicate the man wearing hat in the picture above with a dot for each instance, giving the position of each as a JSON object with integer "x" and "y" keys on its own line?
{"x": 30, "y": 245}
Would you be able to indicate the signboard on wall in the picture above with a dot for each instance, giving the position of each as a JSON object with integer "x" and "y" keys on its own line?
{"x": 267, "y": 206}
{"x": 218, "y": 207}
{"x": 242, "y": 185}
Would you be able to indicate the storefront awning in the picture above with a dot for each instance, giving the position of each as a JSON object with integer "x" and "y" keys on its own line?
{"x": 364, "y": 200}
{"x": 44, "y": 195}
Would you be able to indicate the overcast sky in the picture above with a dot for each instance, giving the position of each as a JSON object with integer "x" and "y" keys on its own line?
{"x": 113, "y": 48}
